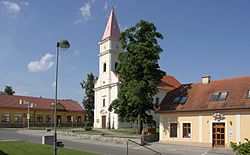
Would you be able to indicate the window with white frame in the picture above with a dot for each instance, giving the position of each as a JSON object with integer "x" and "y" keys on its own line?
{"x": 173, "y": 130}
{"x": 78, "y": 120}
{"x": 186, "y": 130}
{"x": 5, "y": 117}
{"x": 18, "y": 118}
{"x": 48, "y": 119}
{"x": 68, "y": 119}
{"x": 39, "y": 118}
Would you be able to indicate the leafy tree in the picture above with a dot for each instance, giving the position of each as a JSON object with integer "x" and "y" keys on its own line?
{"x": 139, "y": 73}
{"x": 88, "y": 101}
{"x": 8, "y": 90}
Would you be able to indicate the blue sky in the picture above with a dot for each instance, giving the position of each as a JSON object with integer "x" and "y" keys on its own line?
{"x": 201, "y": 37}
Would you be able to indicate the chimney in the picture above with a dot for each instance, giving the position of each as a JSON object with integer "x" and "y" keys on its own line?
{"x": 205, "y": 79}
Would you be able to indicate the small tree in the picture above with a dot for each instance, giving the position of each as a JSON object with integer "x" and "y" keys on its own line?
{"x": 139, "y": 73}
{"x": 8, "y": 90}
{"x": 88, "y": 101}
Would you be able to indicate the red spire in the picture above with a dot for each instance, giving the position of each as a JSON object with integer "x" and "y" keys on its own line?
{"x": 112, "y": 29}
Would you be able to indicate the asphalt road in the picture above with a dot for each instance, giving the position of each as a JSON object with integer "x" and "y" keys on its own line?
{"x": 11, "y": 134}
{"x": 113, "y": 149}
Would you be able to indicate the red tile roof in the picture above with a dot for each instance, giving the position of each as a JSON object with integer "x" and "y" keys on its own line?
{"x": 199, "y": 96}
{"x": 12, "y": 101}
{"x": 168, "y": 82}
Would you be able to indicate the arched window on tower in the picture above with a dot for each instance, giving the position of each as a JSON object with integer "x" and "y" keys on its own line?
{"x": 104, "y": 67}
{"x": 103, "y": 102}
{"x": 116, "y": 64}
{"x": 157, "y": 100}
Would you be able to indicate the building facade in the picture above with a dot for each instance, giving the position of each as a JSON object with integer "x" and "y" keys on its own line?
{"x": 107, "y": 85}
{"x": 208, "y": 113}
{"x": 15, "y": 111}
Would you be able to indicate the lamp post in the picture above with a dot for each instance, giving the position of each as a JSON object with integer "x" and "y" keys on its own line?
{"x": 28, "y": 115}
{"x": 51, "y": 113}
{"x": 64, "y": 44}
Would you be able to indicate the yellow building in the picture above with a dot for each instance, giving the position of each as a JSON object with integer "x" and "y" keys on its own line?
{"x": 208, "y": 113}
{"x": 14, "y": 112}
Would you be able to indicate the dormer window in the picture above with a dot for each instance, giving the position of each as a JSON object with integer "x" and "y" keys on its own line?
{"x": 180, "y": 99}
{"x": 104, "y": 67}
{"x": 248, "y": 94}
{"x": 219, "y": 96}
{"x": 183, "y": 99}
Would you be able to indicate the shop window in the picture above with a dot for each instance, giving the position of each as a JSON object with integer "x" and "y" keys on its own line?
{"x": 5, "y": 117}
{"x": 173, "y": 130}
{"x": 186, "y": 130}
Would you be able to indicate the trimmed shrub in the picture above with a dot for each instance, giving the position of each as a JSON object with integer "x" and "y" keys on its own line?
{"x": 241, "y": 148}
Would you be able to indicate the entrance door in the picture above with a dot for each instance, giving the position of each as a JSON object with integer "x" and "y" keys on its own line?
{"x": 104, "y": 122}
{"x": 218, "y": 134}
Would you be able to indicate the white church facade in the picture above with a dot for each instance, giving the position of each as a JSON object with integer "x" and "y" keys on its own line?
{"x": 107, "y": 85}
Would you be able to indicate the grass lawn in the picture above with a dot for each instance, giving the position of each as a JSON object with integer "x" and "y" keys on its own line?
{"x": 24, "y": 148}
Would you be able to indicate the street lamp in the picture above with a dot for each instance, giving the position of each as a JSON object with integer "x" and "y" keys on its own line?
{"x": 28, "y": 114}
{"x": 63, "y": 44}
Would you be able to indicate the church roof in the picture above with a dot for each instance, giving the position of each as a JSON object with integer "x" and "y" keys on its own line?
{"x": 112, "y": 28}
{"x": 12, "y": 101}
{"x": 201, "y": 97}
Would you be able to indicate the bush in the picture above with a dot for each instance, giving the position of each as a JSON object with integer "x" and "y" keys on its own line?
{"x": 241, "y": 148}
{"x": 88, "y": 126}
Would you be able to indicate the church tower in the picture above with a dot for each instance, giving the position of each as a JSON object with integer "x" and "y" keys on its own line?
{"x": 107, "y": 85}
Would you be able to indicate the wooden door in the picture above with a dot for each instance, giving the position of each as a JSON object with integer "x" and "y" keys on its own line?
{"x": 104, "y": 122}
{"x": 218, "y": 134}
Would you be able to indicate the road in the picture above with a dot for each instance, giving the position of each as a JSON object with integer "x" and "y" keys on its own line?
{"x": 105, "y": 148}
{"x": 11, "y": 134}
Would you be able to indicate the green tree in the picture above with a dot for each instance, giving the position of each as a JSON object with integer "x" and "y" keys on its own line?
{"x": 139, "y": 73}
{"x": 8, "y": 90}
{"x": 88, "y": 101}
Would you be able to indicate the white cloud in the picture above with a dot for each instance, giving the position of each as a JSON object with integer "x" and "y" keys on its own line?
{"x": 85, "y": 10}
{"x": 44, "y": 64}
{"x": 78, "y": 21}
{"x": 25, "y": 3}
{"x": 10, "y": 7}
{"x": 105, "y": 7}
